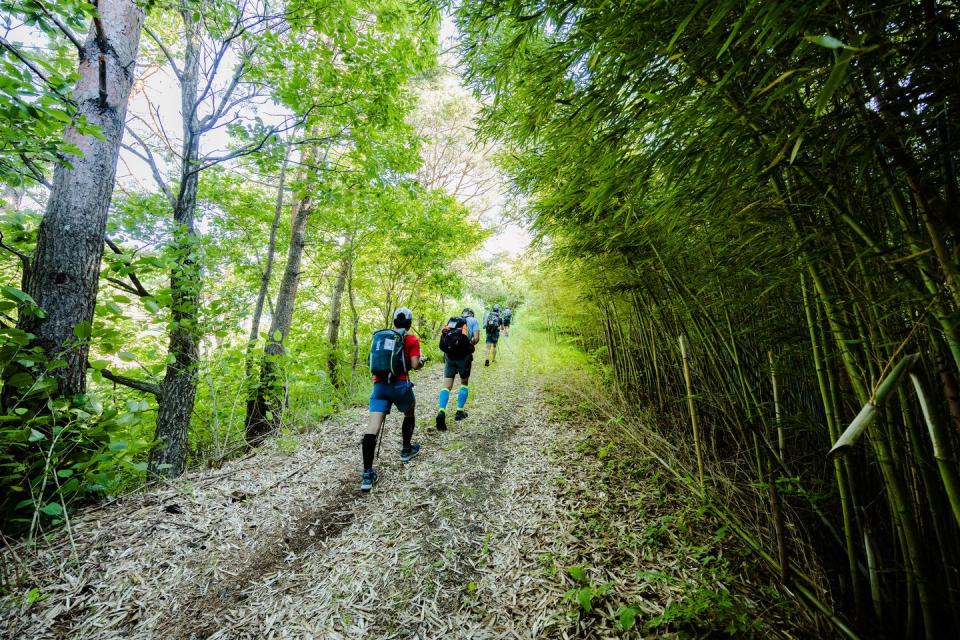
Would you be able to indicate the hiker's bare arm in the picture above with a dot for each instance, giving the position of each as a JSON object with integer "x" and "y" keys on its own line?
{"x": 417, "y": 362}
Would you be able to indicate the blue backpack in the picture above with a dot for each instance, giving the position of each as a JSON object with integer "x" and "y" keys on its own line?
{"x": 387, "y": 359}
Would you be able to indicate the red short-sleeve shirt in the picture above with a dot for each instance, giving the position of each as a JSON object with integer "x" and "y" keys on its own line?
{"x": 411, "y": 348}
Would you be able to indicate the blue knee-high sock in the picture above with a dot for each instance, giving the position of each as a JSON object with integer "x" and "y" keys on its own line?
{"x": 462, "y": 396}
{"x": 444, "y": 399}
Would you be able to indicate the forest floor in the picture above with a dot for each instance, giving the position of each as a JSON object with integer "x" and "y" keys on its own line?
{"x": 523, "y": 521}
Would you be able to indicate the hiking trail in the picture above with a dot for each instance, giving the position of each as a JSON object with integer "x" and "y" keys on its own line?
{"x": 472, "y": 539}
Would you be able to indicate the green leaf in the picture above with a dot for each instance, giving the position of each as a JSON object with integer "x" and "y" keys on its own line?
{"x": 16, "y": 294}
{"x": 99, "y": 364}
{"x": 796, "y": 148}
{"x": 126, "y": 356}
{"x": 837, "y": 75}
{"x": 64, "y": 473}
{"x": 36, "y": 436}
{"x": 20, "y": 380}
{"x": 151, "y": 306}
{"x": 277, "y": 336}
{"x": 52, "y": 509}
{"x": 585, "y": 598}
{"x": 82, "y": 330}
{"x": 827, "y": 41}
{"x": 628, "y": 617}
{"x": 577, "y": 572}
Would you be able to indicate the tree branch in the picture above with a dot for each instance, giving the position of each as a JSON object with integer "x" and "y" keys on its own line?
{"x": 133, "y": 383}
{"x": 148, "y": 157}
{"x": 34, "y": 171}
{"x": 238, "y": 29}
{"x": 138, "y": 287}
{"x": 123, "y": 286}
{"x": 24, "y": 258}
{"x": 217, "y": 113}
{"x": 166, "y": 52}
{"x": 64, "y": 28}
{"x": 16, "y": 52}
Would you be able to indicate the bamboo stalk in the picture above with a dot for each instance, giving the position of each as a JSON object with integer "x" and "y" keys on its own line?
{"x": 941, "y": 450}
{"x": 839, "y": 466}
{"x": 781, "y": 445}
{"x": 692, "y": 409}
{"x": 874, "y": 573}
{"x": 779, "y": 529}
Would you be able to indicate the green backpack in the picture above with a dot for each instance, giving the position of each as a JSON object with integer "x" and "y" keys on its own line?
{"x": 387, "y": 359}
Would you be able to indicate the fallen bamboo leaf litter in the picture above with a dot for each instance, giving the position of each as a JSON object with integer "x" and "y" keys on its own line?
{"x": 470, "y": 540}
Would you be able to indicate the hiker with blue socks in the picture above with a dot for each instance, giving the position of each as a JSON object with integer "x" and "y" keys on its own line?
{"x": 394, "y": 353}
{"x": 457, "y": 341}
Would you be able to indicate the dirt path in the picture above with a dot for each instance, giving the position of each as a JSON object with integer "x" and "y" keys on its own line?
{"x": 473, "y": 539}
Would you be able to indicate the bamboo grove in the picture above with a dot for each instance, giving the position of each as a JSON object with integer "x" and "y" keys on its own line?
{"x": 773, "y": 187}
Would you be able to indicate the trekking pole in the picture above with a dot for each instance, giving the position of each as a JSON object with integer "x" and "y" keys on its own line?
{"x": 380, "y": 436}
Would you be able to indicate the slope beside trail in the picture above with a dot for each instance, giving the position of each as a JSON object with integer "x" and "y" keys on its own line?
{"x": 472, "y": 539}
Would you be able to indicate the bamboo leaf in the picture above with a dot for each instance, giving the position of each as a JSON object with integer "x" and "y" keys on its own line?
{"x": 837, "y": 75}
{"x": 826, "y": 41}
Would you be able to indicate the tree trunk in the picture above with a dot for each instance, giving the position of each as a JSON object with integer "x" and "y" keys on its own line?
{"x": 333, "y": 326}
{"x": 268, "y": 268}
{"x": 266, "y": 408}
{"x": 65, "y": 268}
{"x": 356, "y": 324}
{"x": 179, "y": 386}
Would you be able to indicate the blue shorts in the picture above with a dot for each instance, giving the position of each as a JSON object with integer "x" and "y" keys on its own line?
{"x": 493, "y": 337}
{"x": 384, "y": 394}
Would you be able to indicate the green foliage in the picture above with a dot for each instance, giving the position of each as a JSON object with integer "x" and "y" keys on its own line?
{"x": 703, "y": 608}
{"x": 65, "y": 454}
{"x": 584, "y": 594}
{"x": 36, "y": 84}
{"x": 345, "y": 70}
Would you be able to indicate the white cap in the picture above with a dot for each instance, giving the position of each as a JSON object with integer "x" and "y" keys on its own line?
{"x": 403, "y": 312}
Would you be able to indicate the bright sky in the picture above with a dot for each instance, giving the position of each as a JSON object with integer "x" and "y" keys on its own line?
{"x": 508, "y": 236}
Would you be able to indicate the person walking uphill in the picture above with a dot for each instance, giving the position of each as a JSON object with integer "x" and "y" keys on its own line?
{"x": 507, "y": 316}
{"x": 457, "y": 341}
{"x": 394, "y": 353}
{"x": 492, "y": 323}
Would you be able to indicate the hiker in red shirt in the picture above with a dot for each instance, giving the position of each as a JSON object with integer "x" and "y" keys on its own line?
{"x": 394, "y": 353}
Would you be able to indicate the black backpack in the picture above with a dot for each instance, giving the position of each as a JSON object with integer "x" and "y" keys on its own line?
{"x": 387, "y": 359}
{"x": 493, "y": 322}
{"x": 454, "y": 340}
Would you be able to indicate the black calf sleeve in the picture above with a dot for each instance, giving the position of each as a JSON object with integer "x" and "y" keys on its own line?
{"x": 406, "y": 429}
{"x": 369, "y": 449}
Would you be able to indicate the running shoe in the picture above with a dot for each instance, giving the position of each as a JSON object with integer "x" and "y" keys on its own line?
{"x": 408, "y": 454}
{"x": 461, "y": 414}
{"x": 442, "y": 421}
{"x": 369, "y": 478}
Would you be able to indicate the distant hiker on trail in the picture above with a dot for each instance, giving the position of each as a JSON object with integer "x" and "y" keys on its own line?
{"x": 491, "y": 326}
{"x": 393, "y": 354}
{"x": 507, "y": 315}
{"x": 457, "y": 341}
